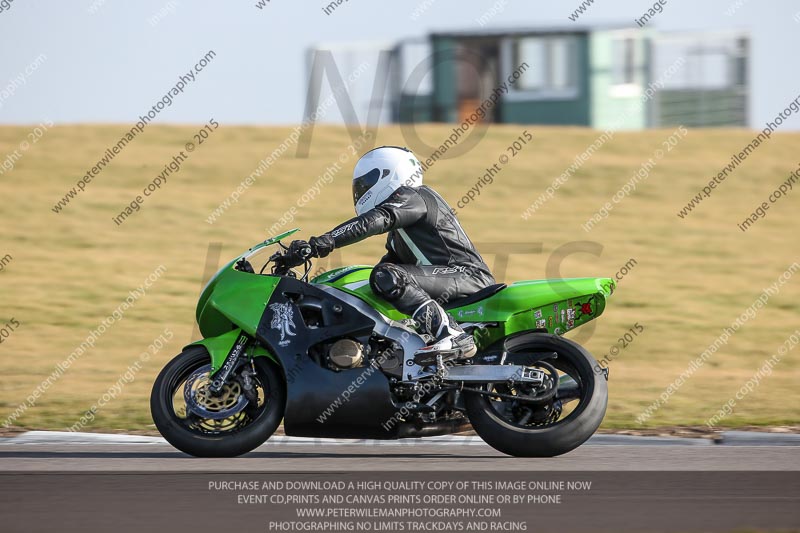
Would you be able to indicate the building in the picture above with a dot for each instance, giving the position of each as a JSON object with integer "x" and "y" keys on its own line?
{"x": 602, "y": 77}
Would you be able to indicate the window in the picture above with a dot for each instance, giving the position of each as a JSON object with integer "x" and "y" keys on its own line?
{"x": 532, "y": 52}
{"x": 549, "y": 63}
{"x": 623, "y": 68}
{"x": 415, "y": 59}
{"x": 559, "y": 63}
{"x": 710, "y": 69}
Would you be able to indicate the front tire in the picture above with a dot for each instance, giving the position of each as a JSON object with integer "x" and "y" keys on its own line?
{"x": 492, "y": 422}
{"x": 230, "y": 437}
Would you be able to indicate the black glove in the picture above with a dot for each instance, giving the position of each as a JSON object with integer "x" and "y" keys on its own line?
{"x": 321, "y": 246}
{"x": 297, "y": 253}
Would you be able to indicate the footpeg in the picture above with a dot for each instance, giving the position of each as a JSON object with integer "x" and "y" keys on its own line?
{"x": 410, "y": 323}
{"x": 432, "y": 358}
{"x": 429, "y": 356}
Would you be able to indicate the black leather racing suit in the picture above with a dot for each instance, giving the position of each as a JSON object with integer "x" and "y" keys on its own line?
{"x": 429, "y": 256}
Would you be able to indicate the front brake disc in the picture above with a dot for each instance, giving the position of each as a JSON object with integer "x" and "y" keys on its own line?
{"x": 202, "y": 403}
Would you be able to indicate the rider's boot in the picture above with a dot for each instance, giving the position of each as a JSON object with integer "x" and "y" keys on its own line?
{"x": 449, "y": 340}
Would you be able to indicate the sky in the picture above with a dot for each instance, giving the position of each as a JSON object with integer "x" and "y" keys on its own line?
{"x": 82, "y": 61}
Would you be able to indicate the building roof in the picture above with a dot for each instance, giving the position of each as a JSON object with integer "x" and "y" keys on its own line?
{"x": 533, "y": 29}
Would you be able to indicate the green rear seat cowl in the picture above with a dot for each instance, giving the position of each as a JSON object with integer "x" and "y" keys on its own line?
{"x": 552, "y": 306}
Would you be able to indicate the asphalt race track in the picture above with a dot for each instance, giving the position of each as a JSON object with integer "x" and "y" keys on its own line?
{"x": 740, "y": 451}
{"x": 79, "y": 482}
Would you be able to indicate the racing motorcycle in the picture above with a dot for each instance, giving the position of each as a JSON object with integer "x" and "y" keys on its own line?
{"x": 330, "y": 358}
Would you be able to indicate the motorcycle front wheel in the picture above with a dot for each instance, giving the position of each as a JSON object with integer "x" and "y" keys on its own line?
{"x": 239, "y": 419}
{"x": 514, "y": 426}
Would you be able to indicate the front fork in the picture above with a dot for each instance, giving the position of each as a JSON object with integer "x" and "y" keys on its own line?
{"x": 220, "y": 377}
{"x": 227, "y": 350}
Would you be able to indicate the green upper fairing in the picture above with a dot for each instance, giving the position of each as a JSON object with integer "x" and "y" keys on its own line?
{"x": 516, "y": 308}
{"x": 233, "y": 299}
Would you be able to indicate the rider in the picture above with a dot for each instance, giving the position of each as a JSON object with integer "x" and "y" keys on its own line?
{"x": 429, "y": 257}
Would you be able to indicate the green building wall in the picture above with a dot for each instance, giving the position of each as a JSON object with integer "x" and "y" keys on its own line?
{"x": 572, "y": 111}
{"x": 610, "y": 111}
{"x": 445, "y": 92}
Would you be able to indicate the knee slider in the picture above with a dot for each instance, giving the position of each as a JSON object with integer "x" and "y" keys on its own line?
{"x": 388, "y": 281}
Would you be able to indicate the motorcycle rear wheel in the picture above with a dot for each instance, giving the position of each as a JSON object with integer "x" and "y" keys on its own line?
{"x": 493, "y": 419}
{"x": 229, "y": 437}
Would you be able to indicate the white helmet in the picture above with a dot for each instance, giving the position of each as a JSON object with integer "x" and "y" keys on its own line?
{"x": 382, "y": 171}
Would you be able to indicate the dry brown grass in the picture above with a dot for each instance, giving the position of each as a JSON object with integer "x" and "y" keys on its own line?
{"x": 693, "y": 277}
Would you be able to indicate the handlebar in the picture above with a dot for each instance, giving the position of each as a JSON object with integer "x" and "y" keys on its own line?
{"x": 283, "y": 260}
{"x": 287, "y": 258}
{"x": 305, "y": 252}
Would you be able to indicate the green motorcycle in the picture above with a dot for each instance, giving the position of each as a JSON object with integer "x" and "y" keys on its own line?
{"x": 330, "y": 358}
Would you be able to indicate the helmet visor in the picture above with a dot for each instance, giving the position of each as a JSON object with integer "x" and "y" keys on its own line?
{"x": 364, "y": 183}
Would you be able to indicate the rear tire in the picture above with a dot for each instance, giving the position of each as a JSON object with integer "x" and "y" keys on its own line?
{"x": 565, "y": 434}
{"x": 223, "y": 444}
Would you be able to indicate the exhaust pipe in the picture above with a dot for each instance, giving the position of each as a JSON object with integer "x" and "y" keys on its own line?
{"x": 433, "y": 429}
{"x": 568, "y": 388}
